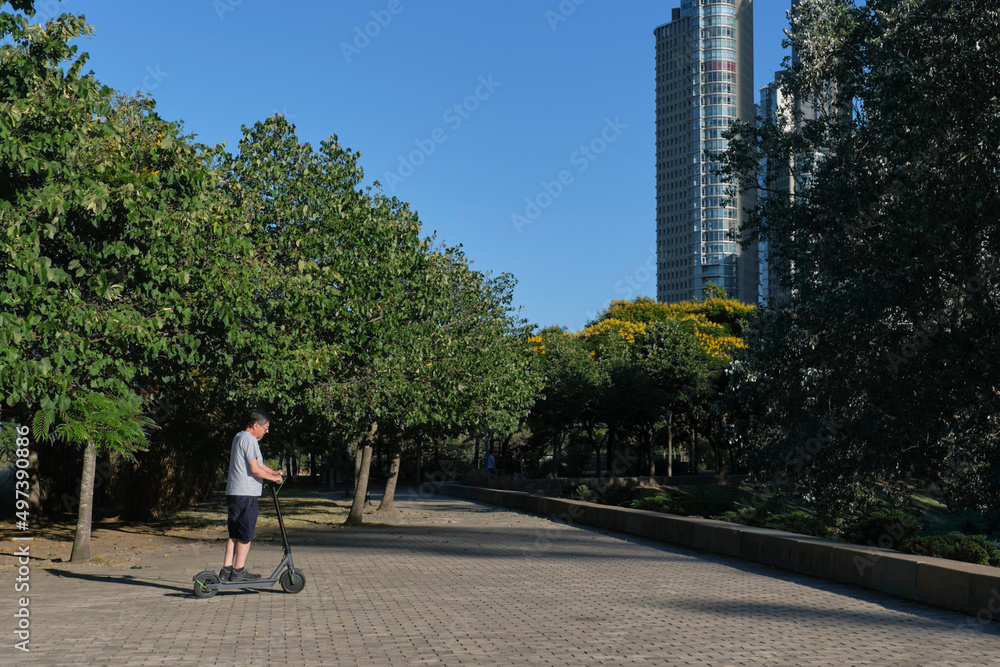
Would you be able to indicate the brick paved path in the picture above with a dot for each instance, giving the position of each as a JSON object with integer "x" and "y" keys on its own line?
{"x": 455, "y": 583}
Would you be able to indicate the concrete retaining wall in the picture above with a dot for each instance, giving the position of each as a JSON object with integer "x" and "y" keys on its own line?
{"x": 555, "y": 486}
{"x": 970, "y": 589}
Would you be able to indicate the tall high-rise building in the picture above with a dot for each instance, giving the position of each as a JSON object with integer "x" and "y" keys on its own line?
{"x": 704, "y": 81}
{"x": 776, "y": 108}
{"x": 786, "y": 177}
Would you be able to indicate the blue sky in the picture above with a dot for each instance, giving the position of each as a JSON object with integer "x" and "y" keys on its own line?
{"x": 473, "y": 112}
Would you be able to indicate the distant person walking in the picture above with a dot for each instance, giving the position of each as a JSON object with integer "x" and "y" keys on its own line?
{"x": 491, "y": 466}
{"x": 244, "y": 486}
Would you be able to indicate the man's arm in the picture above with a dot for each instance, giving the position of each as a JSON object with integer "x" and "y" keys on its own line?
{"x": 260, "y": 470}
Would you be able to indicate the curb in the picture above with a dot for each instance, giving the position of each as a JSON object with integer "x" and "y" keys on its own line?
{"x": 962, "y": 587}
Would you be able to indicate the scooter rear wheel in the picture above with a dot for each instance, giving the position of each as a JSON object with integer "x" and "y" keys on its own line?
{"x": 290, "y": 586}
{"x": 203, "y": 579}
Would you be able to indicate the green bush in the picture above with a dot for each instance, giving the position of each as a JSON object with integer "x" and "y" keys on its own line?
{"x": 798, "y": 522}
{"x": 966, "y": 522}
{"x": 699, "y": 502}
{"x": 966, "y": 548}
{"x": 658, "y": 503}
{"x": 577, "y": 492}
{"x": 885, "y": 529}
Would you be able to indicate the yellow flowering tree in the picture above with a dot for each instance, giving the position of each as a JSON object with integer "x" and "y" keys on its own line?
{"x": 637, "y": 377}
{"x": 717, "y": 322}
{"x": 642, "y": 402}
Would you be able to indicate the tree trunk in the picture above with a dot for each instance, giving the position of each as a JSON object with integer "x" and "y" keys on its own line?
{"x": 475, "y": 456}
{"x": 597, "y": 449}
{"x": 693, "y": 468}
{"x": 556, "y": 450}
{"x": 611, "y": 452}
{"x": 34, "y": 486}
{"x": 670, "y": 446}
{"x": 357, "y": 464}
{"x": 395, "y": 454}
{"x": 505, "y": 453}
{"x": 85, "y": 513}
{"x": 355, "y": 518}
{"x": 650, "y": 434}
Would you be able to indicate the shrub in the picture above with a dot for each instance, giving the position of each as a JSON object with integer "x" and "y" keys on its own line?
{"x": 577, "y": 492}
{"x": 699, "y": 502}
{"x": 886, "y": 529}
{"x": 798, "y": 522}
{"x": 966, "y": 522}
{"x": 658, "y": 503}
{"x": 966, "y": 548}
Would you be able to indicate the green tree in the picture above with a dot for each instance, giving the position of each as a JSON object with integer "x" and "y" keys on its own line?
{"x": 672, "y": 365}
{"x": 639, "y": 400}
{"x": 467, "y": 366}
{"x": 568, "y": 399}
{"x": 96, "y": 422}
{"x": 116, "y": 243}
{"x": 883, "y": 363}
{"x": 374, "y": 328}
{"x": 338, "y": 263}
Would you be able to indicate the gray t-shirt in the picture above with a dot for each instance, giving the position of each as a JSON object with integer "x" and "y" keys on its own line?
{"x": 241, "y": 481}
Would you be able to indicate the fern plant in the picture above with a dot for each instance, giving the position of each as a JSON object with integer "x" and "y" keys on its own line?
{"x": 108, "y": 421}
{"x": 97, "y": 422}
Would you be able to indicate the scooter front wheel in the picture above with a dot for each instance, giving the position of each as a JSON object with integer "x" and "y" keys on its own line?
{"x": 292, "y": 581}
{"x": 201, "y": 582}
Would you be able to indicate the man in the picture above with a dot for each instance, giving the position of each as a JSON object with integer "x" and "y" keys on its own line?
{"x": 246, "y": 472}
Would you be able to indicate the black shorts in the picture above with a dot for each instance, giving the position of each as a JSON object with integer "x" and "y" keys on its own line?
{"x": 242, "y": 517}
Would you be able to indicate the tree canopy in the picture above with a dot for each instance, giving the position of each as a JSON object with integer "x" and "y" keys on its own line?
{"x": 639, "y": 373}
{"x": 190, "y": 284}
{"x": 882, "y": 363}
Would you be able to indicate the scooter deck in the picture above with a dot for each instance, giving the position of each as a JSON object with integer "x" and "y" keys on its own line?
{"x": 226, "y": 585}
{"x": 286, "y": 562}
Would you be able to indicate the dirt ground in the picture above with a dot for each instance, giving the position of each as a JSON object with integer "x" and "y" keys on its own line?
{"x": 115, "y": 542}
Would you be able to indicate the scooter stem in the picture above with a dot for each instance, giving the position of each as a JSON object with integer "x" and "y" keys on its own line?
{"x": 281, "y": 522}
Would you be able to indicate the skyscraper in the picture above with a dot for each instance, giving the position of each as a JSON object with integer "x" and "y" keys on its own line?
{"x": 704, "y": 81}
{"x": 787, "y": 177}
{"x": 775, "y": 107}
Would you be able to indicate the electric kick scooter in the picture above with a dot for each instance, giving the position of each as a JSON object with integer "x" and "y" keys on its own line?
{"x": 207, "y": 584}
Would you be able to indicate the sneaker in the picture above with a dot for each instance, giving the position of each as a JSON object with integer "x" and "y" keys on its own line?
{"x": 242, "y": 575}
{"x": 225, "y": 572}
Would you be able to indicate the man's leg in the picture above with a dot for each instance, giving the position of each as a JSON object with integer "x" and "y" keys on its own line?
{"x": 244, "y": 523}
{"x": 227, "y": 563}
{"x": 242, "y": 549}
{"x": 230, "y": 552}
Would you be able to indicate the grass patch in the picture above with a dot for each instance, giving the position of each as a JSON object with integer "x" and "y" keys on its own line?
{"x": 695, "y": 501}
